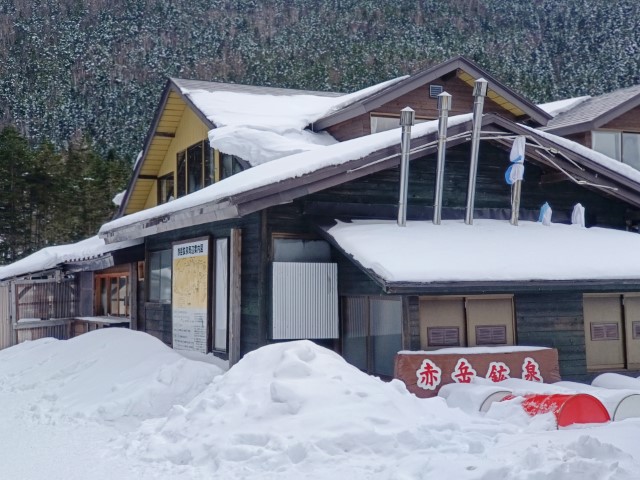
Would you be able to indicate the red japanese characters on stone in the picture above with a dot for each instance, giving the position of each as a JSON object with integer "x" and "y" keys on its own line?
{"x": 429, "y": 375}
{"x": 498, "y": 371}
{"x": 531, "y": 370}
{"x": 464, "y": 372}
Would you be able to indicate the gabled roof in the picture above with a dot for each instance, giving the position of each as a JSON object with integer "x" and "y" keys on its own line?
{"x": 595, "y": 112}
{"x": 239, "y": 112}
{"x": 466, "y": 70}
{"x": 288, "y": 178}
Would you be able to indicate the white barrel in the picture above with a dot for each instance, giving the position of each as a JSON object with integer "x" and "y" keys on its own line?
{"x": 470, "y": 397}
{"x": 616, "y": 381}
{"x": 620, "y": 403}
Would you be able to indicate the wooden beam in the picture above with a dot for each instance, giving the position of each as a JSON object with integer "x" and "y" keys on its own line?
{"x": 147, "y": 177}
{"x": 555, "y": 177}
{"x": 165, "y": 134}
{"x": 235, "y": 295}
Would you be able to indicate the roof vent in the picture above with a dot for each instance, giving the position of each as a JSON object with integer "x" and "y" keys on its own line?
{"x": 435, "y": 90}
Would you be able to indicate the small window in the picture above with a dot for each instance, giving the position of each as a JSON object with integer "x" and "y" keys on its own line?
{"x": 300, "y": 250}
{"x": 491, "y": 335}
{"x": 160, "y": 276}
{"x": 631, "y": 149}
{"x": 604, "y": 331}
{"x": 221, "y": 295}
{"x": 165, "y": 188}
{"x": 230, "y": 165}
{"x": 636, "y": 330}
{"x": 443, "y": 336}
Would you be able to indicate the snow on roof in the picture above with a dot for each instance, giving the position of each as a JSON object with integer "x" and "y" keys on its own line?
{"x": 118, "y": 197}
{"x": 489, "y": 250}
{"x": 597, "y": 157}
{"x": 260, "y": 127}
{"x": 282, "y": 169}
{"x": 561, "y": 106}
{"x": 50, "y": 257}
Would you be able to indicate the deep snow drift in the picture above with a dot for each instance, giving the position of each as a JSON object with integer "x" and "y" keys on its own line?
{"x": 122, "y": 405}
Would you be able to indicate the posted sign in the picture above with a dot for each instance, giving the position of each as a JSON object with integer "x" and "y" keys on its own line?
{"x": 190, "y": 295}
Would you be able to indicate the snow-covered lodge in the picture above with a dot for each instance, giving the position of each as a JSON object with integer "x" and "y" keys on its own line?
{"x": 259, "y": 214}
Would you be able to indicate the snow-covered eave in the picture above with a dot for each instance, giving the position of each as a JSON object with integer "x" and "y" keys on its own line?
{"x": 512, "y": 286}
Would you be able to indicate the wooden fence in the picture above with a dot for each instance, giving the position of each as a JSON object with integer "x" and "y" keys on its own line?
{"x": 7, "y": 336}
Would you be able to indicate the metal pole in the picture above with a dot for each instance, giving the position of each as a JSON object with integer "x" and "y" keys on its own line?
{"x": 479, "y": 92}
{"x": 407, "y": 116}
{"x": 444, "y": 104}
{"x": 515, "y": 203}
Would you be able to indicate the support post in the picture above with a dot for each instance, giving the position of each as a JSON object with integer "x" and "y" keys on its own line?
{"x": 515, "y": 203}
{"x": 407, "y": 116}
{"x": 444, "y": 104}
{"x": 479, "y": 92}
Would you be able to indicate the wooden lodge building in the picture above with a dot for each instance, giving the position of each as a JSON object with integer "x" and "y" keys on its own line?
{"x": 257, "y": 215}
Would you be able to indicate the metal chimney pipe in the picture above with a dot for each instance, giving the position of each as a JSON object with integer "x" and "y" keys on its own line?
{"x": 444, "y": 105}
{"x": 407, "y": 116}
{"x": 479, "y": 92}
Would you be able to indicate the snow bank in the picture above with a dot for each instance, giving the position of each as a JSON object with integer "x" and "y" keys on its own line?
{"x": 103, "y": 375}
{"x": 616, "y": 380}
{"x": 295, "y": 410}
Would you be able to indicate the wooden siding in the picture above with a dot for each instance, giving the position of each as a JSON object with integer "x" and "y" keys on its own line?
{"x": 424, "y": 106}
{"x": 628, "y": 122}
{"x": 156, "y": 317}
{"x": 190, "y": 130}
{"x": 376, "y": 196}
{"x": 554, "y": 319}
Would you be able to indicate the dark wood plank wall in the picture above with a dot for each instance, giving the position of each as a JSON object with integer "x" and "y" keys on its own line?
{"x": 554, "y": 320}
{"x": 157, "y": 317}
{"x": 424, "y": 106}
{"x": 376, "y": 196}
{"x": 629, "y": 121}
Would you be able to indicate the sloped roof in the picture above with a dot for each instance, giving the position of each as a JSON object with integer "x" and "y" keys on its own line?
{"x": 191, "y": 85}
{"x": 423, "y": 254}
{"x": 595, "y": 111}
{"x": 470, "y": 72}
{"x": 288, "y": 178}
{"x": 52, "y": 257}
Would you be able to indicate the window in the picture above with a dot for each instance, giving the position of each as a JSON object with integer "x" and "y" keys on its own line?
{"x": 159, "y": 289}
{"x": 300, "y": 250}
{"x": 381, "y": 123}
{"x": 372, "y": 333}
{"x": 230, "y": 165}
{"x": 466, "y": 321}
{"x": 165, "y": 188}
{"x": 194, "y": 168}
{"x": 221, "y": 295}
{"x": 113, "y": 295}
{"x": 623, "y": 146}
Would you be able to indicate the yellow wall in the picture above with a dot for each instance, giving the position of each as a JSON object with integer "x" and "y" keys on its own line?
{"x": 190, "y": 130}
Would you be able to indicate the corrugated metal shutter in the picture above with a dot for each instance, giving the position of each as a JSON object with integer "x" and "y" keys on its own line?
{"x": 305, "y": 300}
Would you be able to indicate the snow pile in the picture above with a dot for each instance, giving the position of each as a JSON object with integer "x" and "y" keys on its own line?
{"x": 295, "y": 410}
{"x": 103, "y": 375}
{"x": 561, "y": 106}
{"x": 262, "y": 127}
{"x": 454, "y": 251}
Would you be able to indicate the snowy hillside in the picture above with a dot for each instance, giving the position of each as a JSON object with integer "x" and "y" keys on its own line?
{"x": 119, "y": 404}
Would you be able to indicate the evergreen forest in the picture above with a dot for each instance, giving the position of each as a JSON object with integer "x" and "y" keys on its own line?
{"x": 80, "y": 79}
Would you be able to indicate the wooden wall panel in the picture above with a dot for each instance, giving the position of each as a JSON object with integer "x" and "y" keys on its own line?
{"x": 629, "y": 122}
{"x": 554, "y": 320}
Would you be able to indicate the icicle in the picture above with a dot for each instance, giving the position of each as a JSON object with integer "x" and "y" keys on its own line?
{"x": 545, "y": 214}
{"x": 577, "y": 216}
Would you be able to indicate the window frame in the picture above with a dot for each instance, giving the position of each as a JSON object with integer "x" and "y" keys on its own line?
{"x": 208, "y": 168}
{"x": 619, "y": 144}
{"x": 149, "y": 278}
{"x": 106, "y": 280}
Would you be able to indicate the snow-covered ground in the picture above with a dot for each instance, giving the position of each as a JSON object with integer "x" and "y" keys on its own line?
{"x": 119, "y": 404}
